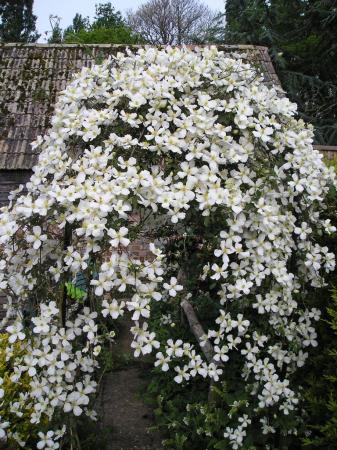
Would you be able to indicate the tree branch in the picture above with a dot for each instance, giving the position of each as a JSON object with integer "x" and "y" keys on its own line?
{"x": 199, "y": 333}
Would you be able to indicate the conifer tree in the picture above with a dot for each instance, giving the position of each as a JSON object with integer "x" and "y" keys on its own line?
{"x": 301, "y": 36}
{"x": 79, "y": 23}
{"x": 17, "y": 21}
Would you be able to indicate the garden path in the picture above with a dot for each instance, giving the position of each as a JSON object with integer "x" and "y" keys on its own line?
{"x": 123, "y": 410}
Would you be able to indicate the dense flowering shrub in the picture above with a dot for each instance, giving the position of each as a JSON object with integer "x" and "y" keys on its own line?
{"x": 169, "y": 144}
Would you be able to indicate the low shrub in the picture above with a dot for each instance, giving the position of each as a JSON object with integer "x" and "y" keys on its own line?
{"x": 14, "y": 404}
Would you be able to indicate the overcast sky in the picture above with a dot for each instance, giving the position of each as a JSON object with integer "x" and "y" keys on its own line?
{"x": 66, "y": 9}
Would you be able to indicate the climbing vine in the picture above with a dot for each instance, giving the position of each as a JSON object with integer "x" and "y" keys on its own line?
{"x": 190, "y": 150}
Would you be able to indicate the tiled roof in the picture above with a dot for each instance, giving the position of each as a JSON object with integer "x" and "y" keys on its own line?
{"x": 31, "y": 75}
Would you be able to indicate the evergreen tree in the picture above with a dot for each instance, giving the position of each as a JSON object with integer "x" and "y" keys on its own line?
{"x": 244, "y": 20}
{"x": 79, "y": 23}
{"x": 301, "y": 36}
{"x": 17, "y": 21}
{"x": 107, "y": 16}
{"x": 234, "y": 8}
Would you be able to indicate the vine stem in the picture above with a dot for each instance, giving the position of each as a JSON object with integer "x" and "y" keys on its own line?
{"x": 66, "y": 243}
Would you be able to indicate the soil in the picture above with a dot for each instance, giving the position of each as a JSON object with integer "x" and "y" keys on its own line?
{"x": 123, "y": 411}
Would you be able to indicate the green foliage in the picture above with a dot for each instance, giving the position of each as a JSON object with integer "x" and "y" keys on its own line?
{"x": 332, "y": 163}
{"x": 107, "y": 16}
{"x": 15, "y": 393}
{"x": 74, "y": 292}
{"x": 118, "y": 35}
{"x": 108, "y": 27}
{"x": 79, "y": 23}
{"x": 301, "y": 36}
{"x": 321, "y": 379}
{"x": 186, "y": 415}
{"x": 192, "y": 418}
{"x": 322, "y": 392}
{"x": 17, "y": 21}
{"x": 57, "y": 33}
{"x": 86, "y": 435}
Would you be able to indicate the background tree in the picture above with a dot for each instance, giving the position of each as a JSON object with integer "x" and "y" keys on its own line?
{"x": 214, "y": 34}
{"x": 79, "y": 23}
{"x": 108, "y": 27}
{"x": 56, "y": 33}
{"x": 118, "y": 35}
{"x": 301, "y": 36}
{"x": 17, "y": 21}
{"x": 107, "y": 16}
{"x": 172, "y": 21}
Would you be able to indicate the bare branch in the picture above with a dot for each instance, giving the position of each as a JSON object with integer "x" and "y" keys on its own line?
{"x": 170, "y": 22}
{"x": 199, "y": 332}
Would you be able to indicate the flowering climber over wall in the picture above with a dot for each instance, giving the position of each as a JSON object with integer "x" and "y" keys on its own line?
{"x": 167, "y": 143}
